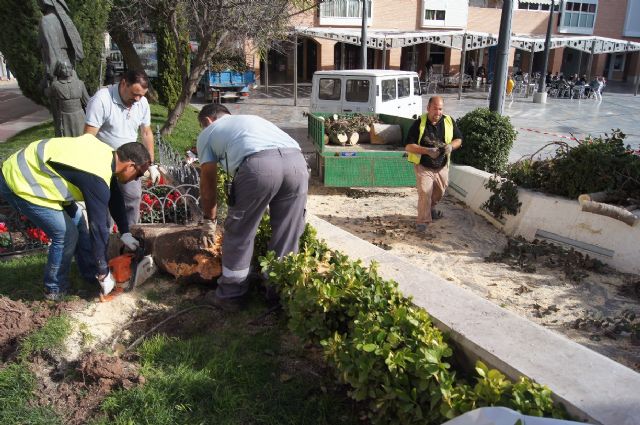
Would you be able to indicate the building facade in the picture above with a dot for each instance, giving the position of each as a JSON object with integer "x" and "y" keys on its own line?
{"x": 409, "y": 34}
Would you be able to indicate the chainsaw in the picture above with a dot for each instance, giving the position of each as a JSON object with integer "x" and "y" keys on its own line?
{"x": 132, "y": 269}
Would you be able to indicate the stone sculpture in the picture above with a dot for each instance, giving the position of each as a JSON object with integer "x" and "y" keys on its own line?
{"x": 60, "y": 43}
{"x": 70, "y": 97}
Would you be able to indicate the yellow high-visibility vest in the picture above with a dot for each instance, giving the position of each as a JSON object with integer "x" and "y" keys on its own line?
{"x": 448, "y": 136}
{"x": 30, "y": 176}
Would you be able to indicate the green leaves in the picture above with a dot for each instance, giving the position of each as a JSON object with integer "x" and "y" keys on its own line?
{"x": 595, "y": 165}
{"x": 487, "y": 138}
{"x": 379, "y": 344}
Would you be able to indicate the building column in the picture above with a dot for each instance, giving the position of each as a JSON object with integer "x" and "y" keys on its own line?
{"x": 325, "y": 54}
{"x": 395, "y": 55}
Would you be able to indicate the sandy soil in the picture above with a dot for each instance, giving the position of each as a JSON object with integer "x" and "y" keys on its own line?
{"x": 455, "y": 248}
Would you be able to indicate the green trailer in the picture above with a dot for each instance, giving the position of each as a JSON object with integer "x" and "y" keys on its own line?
{"x": 362, "y": 165}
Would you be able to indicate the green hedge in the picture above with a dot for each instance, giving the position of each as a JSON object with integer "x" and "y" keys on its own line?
{"x": 386, "y": 349}
{"x": 486, "y": 142}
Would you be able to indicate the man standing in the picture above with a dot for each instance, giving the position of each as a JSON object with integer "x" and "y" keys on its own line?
{"x": 268, "y": 170}
{"x": 45, "y": 180}
{"x": 115, "y": 115}
{"x": 430, "y": 141}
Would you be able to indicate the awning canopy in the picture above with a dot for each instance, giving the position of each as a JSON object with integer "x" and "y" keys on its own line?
{"x": 537, "y": 1}
{"x": 387, "y": 39}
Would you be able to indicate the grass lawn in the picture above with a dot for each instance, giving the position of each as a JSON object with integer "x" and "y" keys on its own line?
{"x": 208, "y": 367}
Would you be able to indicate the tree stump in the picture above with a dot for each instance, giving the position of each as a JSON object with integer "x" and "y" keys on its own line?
{"x": 176, "y": 250}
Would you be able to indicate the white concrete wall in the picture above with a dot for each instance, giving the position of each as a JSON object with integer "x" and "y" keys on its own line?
{"x": 557, "y": 219}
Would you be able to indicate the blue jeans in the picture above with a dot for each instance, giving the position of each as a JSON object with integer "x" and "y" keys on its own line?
{"x": 67, "y": 230}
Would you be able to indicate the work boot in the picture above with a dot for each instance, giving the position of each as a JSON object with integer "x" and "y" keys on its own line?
{"x": 226, "y": 304}
{"x": 55, "y": 296}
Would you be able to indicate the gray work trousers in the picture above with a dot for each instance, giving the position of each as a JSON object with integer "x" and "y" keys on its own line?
{"x": 132, "y": 194}
{"x": 274, "y": 178}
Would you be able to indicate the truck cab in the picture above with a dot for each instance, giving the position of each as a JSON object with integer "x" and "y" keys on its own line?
{"x": 367, "y": 91}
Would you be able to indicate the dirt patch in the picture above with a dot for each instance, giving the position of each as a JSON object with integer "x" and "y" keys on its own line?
{"x": 18, "y": 319}
{"x": 76, "y": 390}
{"x": 528, "y": 281}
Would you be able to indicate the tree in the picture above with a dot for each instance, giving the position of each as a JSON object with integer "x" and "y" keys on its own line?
{"x": 19, "y": 42}
{"x": 217, "y": 25}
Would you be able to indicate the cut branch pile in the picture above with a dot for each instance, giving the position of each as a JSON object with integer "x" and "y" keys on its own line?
{"x": 349, "y": 129}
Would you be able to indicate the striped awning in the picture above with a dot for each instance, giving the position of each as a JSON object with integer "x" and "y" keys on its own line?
{"x": 538, "y": 1}
{"x": 454, "y": 39}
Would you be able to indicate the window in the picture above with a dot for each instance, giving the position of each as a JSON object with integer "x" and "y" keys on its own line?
{"x": 404, "y": 87}
{"x": 434, "y": 15}
{"x": 357, "y": 91}
{"x": 416, "y": 86}
{"x": 388, "y": 90}
{"x": 618, "y": 62}
{"x": 330, "y": 89}
{"x": 345, "y": 11}
{"x": 579, "y": 16}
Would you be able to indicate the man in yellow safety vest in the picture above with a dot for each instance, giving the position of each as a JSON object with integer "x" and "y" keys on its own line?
{"x": 45, "y": 180}
{"x": 429, "y": 143}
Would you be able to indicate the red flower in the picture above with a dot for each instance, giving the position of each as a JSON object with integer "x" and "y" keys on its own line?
{"x": 3, "y": 228}
{"x": 114, "y": 229}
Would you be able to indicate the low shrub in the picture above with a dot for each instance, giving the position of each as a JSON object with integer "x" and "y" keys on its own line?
{"x": 382, "y": 346}
{"x": 487, "y": 138}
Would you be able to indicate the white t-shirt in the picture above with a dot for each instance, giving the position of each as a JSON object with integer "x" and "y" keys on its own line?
{"x": 117, "y": 123}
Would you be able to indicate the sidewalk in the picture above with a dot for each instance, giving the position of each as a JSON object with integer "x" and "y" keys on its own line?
{"x": 12, "y": 127}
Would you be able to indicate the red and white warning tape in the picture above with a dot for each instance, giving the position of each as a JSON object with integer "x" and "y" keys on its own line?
{"x": 562, "y": 136}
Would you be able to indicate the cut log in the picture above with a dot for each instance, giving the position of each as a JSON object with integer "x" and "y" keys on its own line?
{"x": 353, "y": 139}
{"x": 339, "y": 139}
{"x": 607, "y": 210}
{"x": 386, "y": 134}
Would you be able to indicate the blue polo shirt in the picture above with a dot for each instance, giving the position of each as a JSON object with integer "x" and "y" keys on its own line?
{"x": 232, "y": 138}
{"x": 117, "y": 123}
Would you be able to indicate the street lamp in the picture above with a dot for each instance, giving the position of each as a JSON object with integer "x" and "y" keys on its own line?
{"x": 541, "y": 96}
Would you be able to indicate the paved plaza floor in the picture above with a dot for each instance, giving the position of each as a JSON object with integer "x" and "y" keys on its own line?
{"x": 561, "y": 119}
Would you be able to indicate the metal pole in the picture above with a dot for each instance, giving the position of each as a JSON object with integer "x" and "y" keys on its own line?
{"x": 580, "y": 64}
{"x": 496, "y": 104}
{"x": 531, "y": 54}
{"x": 590, "y": 61}
{"x": 462, "y": 60}
{"x": 266, "y": 73}
{"x": 547, "y": 47}
{"x": 342, "y": 56}
{"x": 295, "y": 71}
{"x": 363, "y": 38}
{"x": 384, "y": 55}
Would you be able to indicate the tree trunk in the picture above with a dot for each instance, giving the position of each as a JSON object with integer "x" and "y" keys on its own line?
{"x": 198, "y": 67}
{"x": 131, "y": 57}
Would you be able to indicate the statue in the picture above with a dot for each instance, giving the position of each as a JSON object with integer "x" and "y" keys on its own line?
{"x": 71, "y": 98}
{"x": 58, "y": 37}
{"x": 60, "y": 43}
